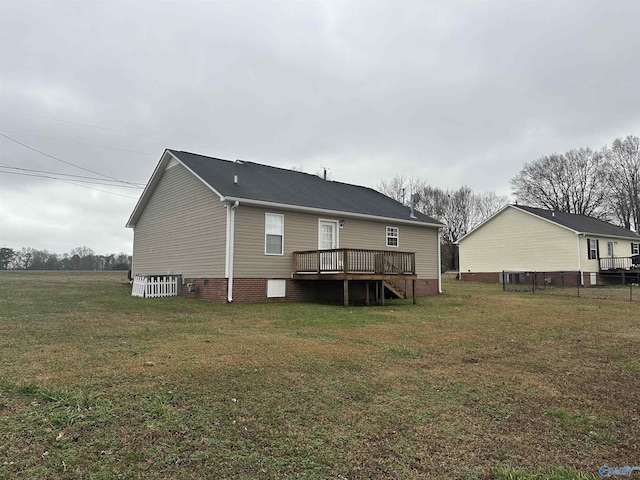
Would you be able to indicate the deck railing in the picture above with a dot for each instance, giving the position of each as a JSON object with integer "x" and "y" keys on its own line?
{"x": 355, "y": 261}
{"x": 616, "y": 263}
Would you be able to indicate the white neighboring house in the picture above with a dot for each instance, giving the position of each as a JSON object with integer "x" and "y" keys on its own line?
{"x": 526, "y": 239}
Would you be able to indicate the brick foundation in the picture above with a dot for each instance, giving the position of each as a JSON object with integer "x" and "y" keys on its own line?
{"x": 557, "y": 279}
{"x": 484, "y": 277}
{"x": 254, "y": 290}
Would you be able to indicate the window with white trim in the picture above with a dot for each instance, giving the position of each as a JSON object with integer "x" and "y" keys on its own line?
{"x": 635, "y": 248}
{"x": 592, "y": 248}
{"x": 273, "y": 234}
{"x": 392, "y": 236}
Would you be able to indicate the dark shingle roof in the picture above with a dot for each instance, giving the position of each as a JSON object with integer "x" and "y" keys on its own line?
{"x": 287, "y": 187}
{"x": 580, "y": 223}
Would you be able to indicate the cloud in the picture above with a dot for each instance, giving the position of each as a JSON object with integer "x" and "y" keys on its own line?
{"x": 456, "y": 92}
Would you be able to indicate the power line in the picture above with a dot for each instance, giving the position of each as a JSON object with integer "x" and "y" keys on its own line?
{"x": 100, "y": 128}
{"x": 78, "y": 143}
{"x": 208, "y": 147}
{"x": 77, "y": 178}
{"x": 64, "y": 161}
{"x": 237, "y": 155}
{"x": 70, "y": 183}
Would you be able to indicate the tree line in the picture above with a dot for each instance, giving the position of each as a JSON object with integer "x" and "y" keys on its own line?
{"x": 79, "y": 258}
{"x": 604, "y": 184}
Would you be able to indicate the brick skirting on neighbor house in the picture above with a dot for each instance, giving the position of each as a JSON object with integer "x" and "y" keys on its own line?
{"x": 254, "y": 290}
{"x": 484, "y": 277}
{"x": 558, "y": 279}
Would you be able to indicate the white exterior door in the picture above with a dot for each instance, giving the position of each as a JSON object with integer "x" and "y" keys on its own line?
{"x": 328, "y": 240}
{"x": 327, "y": 234}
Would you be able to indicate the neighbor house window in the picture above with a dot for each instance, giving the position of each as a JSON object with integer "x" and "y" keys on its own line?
{"x": 273, "y": 234}
{"x": 392, "y": 236}
{"x": 592, "y": 245}
{"x": 635, "y": 249}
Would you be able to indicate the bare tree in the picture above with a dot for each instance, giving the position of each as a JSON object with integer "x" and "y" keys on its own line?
{"x": 459, "y": 219}
{"x": 623, "y": 181}
{"x": 82, "y": 258}
{"x": 434, "y": 202}
{"x": 571, "y": 182}
{"x": 403, "y": 188}
{"x": 459, "y": 209}
{"x": 486, "y": 205}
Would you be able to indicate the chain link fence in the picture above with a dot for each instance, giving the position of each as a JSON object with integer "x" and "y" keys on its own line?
{"x": 610, "y": 286}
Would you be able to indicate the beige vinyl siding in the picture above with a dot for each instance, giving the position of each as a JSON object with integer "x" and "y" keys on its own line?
{"x": 301, "y": 233}
{"x": 515, "y": 240}
{"x": 182, "y": 229}
{"x": 621, "y": 248}
{"x": 250, "y": 261}
{"x": 373, "y": 236}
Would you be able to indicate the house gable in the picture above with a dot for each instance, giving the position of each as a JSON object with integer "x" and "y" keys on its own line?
{"x": 515, "y": 240}
{"x": 181, "y": 229}
{"x": 167, "y": 162}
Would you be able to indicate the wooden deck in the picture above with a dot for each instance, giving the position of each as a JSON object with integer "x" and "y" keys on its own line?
{"x": 350, "y": 264}
{"x": 620, "y": 263}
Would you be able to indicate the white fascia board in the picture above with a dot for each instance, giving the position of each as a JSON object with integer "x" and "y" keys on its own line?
{"x": 148, "y": 189}
{"x": 331, "y": 213}
{"x": 166, "y": 158}
{"x": 603, "y": 235}
{"x": 481, "y": 224}
{"x": 546, "y": 219}
{"x": 220, "y": 196}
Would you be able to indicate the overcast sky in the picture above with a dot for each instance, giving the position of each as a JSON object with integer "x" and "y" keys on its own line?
{"x": 455, "y": 92}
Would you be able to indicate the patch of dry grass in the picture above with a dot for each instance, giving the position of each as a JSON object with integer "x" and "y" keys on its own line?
{"x": 472, "y": 384}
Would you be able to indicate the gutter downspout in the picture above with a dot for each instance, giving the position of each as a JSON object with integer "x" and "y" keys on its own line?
{"x": 580, "y": 260}
{"x": 439, "y": 263}
{"x": 231, "y": 216}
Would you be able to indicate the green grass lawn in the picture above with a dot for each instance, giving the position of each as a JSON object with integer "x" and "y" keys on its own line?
{"x": 471, "y": 384}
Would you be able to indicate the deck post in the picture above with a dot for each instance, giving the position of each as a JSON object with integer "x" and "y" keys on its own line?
{"x": 366, "y": 294}
{"x": 346, "y": 292}
{"x": 345, "y": 261}
{"x": 413, "y": 290}
{"x": 382, "y": 292}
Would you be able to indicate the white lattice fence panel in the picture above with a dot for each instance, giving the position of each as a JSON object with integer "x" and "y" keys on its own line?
{"x": 155, "y": 286}
{"x": 139, "y": 285}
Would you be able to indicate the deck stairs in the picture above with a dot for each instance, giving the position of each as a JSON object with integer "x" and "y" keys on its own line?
{"x": 395, "y": 290}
